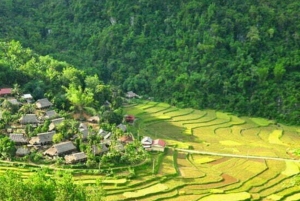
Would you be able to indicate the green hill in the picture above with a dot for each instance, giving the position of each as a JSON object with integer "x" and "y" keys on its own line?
{"x": 238, "y": 56}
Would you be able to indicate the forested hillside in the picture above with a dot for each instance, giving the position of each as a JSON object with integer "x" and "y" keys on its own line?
{"x": 238, "y": 56}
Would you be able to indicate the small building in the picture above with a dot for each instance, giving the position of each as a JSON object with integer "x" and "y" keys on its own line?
{"x": 19, "y": 139}
{"x": 50, "y": 114}
{"x": 27, "y": 97}
{"x": 102, "y": 132}
{"x": 14, "y": 101}
{"x": 29, "y": 119}
{"x": 129, "y": 118}
{"x": 43, "y": 103}
{"x": 42, "y": 138}
{"x": 99, "y": 149}
{"x": 83, "y": 126}
{"x": 76, "y": 157}
{"x": 5, "y": 91}
{"x": 60, "y": 149}
{"x": 131, "y": 94}
{"x": 55, "y": 122}
{"x": 158, "y": 145}
{"x": 93, "y": 119}
{"x": 122, "y": 127}
{"x": 147, "y": 142}
{"x": 84, "y": 133}
{"x": 125, "y": 139}
{"x": 22, "y": 151}
{"x": 119, "y": 147}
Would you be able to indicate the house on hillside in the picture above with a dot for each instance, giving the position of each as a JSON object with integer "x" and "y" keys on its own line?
{"x": 27, "y": 97}
{"x": 146, "y": 142}
{"x": 99, "y": 149}
{"x": 5, "y": 91}
{"x": 55, "y": 122}
{"x": 93, "y": 119}
{"x": 76, "y": 157}
{"x": 131, "y": 94}
{"x": 125, "y": 139}
{"x": 129, "y": 118}
{"x": 43, "y": 103}
{"x": 42, "y": 138}
{"x": 122, "y": 127}
{"x": 60, "y": 149}
{"x": 29, "y": 119}
{"x": 18, "y": 139}
{"x": 50, "y": 114}
{"x": 158, "y": 145}
{"x": 22, "y": 151}
{"x": 102, "y": 132}
{"x": 14, "y": 101}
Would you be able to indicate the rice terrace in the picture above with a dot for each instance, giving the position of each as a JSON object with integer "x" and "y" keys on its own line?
{"x": 210, "y": 155}
{"x": 218, "y": 156}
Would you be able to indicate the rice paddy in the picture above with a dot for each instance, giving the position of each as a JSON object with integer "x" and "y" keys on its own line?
{"x": 198, "y": 177}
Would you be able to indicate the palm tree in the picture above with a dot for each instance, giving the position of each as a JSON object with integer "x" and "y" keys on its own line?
{"x": 79, "y": 98}
{"x": 28, "y": 108}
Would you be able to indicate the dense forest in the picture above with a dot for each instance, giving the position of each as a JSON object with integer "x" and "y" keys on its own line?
{"x": 237, "y": 56}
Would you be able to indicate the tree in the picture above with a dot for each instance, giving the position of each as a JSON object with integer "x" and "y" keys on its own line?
{"x": 58, "y": 137}
{"x": 79, "y": 98}
{"x": 67, "y": 190}
{"x": 7, "y": 148}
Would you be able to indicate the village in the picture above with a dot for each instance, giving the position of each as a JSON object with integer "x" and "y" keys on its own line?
{"x": 43, "y": 130}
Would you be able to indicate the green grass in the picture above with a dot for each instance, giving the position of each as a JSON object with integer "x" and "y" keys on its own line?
{"x": 261, "y": 121}
{"x": 228, "y": 197}
{"x": 147, "y": 191}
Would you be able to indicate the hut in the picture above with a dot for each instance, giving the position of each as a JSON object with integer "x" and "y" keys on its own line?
{"x": 60, "y": 149}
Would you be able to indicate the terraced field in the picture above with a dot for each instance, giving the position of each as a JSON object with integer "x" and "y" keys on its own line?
{"x": 210, "y": 177}
{"x": 233, "y": 159}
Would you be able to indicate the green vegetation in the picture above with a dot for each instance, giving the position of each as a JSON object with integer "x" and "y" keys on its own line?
{"x": 228, "y": 58}
{"x": 235, "y": 56}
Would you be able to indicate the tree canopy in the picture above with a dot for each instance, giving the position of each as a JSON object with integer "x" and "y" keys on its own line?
{"x": 238, "y": 56}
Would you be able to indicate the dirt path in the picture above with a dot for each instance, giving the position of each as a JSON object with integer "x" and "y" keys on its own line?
{"x": 236, "y": 155}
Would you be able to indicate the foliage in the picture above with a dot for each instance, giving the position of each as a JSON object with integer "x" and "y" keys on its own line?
{"x": 41, "y": 187}
{"x": 238, "y": 57}
{"x": 7, "y": 147}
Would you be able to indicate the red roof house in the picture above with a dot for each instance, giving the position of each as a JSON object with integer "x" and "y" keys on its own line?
{"x": 5, "y": 91}
{"x": 129, "y": 118}
{"x": 158, "y": 145}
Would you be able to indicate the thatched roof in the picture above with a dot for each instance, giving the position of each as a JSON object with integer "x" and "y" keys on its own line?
{"x": 99, "y": 149}
{"x": 72, "y": 158}
{"x": 60, "y": 149}
{"x": 18, "y": 138}
{"x": 131, "y": 94}
{"x": 119, "y": 147}
{"x": 94, "y": 119}
{"x": 84, "y": 132}
{"x": 22, "y": 151}
{"x": 14, "y": 101}
{"x": 43, "y": 103}
{"x": 29, "y": 119}
{"x": 50, "y": 114}
{"x": 122, "y": 127}
{"x": 55, "y": 122}
{"x": 102, "y": 132}
{"x": 42, "y": 138}
{"x": 126, "y": 139}
{"x": 83, "y": 126}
